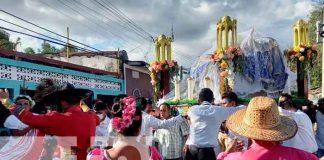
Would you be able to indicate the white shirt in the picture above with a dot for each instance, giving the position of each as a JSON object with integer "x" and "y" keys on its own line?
{"x": 102, "y": 132}
{"x": 304, "y": 138}
{"x": 149, "y": 122}
{"x": 320, "y": 130}
{"x": 12, "y": 122}
{"x": 205, "y": 121}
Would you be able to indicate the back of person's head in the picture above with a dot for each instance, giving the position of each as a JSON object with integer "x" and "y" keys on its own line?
{"x": 288, "y": 104}
{"x": 99, "y": 106}
{"x": 71, "y": 99}
{"x": 141, "y": 103}
{"x": 206, "y": 94}
{"x": 231, "y": 97}
{"x": 129, "y": 122}
{"x": 134, "y": 128}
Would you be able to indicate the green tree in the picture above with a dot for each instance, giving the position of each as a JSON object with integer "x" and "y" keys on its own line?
{"x": 46, "y": 48}
{"x": 71, "y": 49}
{"x": 5, "y": 40}
{"x": 316, "y": 71}
{"x": 29, "y": 50}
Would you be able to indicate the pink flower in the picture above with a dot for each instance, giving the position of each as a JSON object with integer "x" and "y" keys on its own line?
{"x": 116, "y": 123}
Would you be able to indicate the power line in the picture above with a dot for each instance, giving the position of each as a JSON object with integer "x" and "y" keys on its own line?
{"x": 127, "y": 18}
{"x": 67, "y": 15}
{"x": 122, "y": 20}
{"x": 44, "y": 39}
{"x": 104, "y": 16}
{"x": 122, "y": 26}
{"x": 39, "y": 33}
{"x": 90, "y": 19}
{"x": 46, "y": 29}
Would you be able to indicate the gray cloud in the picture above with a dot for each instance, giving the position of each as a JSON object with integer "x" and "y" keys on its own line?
{"x": 194, "y": 22}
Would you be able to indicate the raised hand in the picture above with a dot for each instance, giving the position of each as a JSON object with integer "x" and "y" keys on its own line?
{"x": 234, "y": 146}
{"x": 4, "y": 94}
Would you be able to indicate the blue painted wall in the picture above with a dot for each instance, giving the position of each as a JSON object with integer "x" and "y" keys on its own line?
{"x": 15, "y": 84}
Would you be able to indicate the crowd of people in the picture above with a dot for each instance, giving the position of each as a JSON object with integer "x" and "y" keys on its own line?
{"x": 57, "y": 123}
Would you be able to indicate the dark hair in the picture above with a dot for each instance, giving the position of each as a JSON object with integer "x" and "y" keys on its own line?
{"x": 168, "y": 106}
{"x": 4, "y": 113}
{"x": 288, "y": 96}
{"x": 99, "y": 106}
{"x": 149, "y": 101}
{"x": 22, "y": 97}
{"x": 40, "y": 108}
{"x": 141, "y": 103}
{"x": 71, "y": 99}
{"x": 134, "y": 128}
{"x": 230, "y": 96}
{"x": 206, "y": 95}
{"x": 119, "y": 97}
{"x": 287, "y": 103}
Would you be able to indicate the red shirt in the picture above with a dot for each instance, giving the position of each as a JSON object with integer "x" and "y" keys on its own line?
{"x": 72, "y": 127}
{"x": 278, "y": 152}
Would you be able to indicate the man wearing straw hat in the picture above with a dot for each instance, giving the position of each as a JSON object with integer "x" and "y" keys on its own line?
{"x": 262, "y": 123}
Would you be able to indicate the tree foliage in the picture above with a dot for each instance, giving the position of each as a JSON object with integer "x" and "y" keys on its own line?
{"x": 47, "y": 48}
{"x": 5, "y": 42}
{"x": 29, "y": 50}
{"x": 316, "y": 71}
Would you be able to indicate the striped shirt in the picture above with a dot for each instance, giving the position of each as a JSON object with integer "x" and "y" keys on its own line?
{"x": 171, "y": 141}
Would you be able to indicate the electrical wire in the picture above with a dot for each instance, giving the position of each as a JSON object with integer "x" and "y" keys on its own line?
{"x": 46, "y": 29}
{"x": 62, "y": 44}
{"x": 38, "y": 33}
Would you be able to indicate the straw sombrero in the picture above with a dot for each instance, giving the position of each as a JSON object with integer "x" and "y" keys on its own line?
{"x": 261, "y": 121}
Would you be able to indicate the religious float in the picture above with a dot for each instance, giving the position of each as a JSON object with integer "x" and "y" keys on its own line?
{"x": 256, "y": 66}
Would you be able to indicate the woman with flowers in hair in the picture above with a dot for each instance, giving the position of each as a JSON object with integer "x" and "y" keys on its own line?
{"x": 128, "y": 127}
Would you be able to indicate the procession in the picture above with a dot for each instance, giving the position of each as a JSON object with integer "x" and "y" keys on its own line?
{"x": 87, "y": 80}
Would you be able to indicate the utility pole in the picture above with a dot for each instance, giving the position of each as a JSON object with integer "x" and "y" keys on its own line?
{"x": 67, "y": 44}
{"x": 118, "y": 62}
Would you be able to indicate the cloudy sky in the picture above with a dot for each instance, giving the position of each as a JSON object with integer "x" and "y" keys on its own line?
{"x": 108, "y": 24}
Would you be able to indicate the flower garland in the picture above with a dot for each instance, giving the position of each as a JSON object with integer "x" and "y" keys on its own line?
{"x": 228, "y": 61}
{"x": 157, "y": 67}
{"x": 303, "y": 54}
{"x": 128, "y": 116}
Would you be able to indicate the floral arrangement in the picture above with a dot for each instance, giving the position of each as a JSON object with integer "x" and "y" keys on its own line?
{"x": 156, "y": 67}
{"x": 225, "y": 58}
{"x": 303, "y": 54}
{"x": 228, "y": 61}
{"x": 128, "y": 115}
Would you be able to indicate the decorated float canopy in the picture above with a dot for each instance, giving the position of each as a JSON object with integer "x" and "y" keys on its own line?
{"x": 254, "y": 67}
